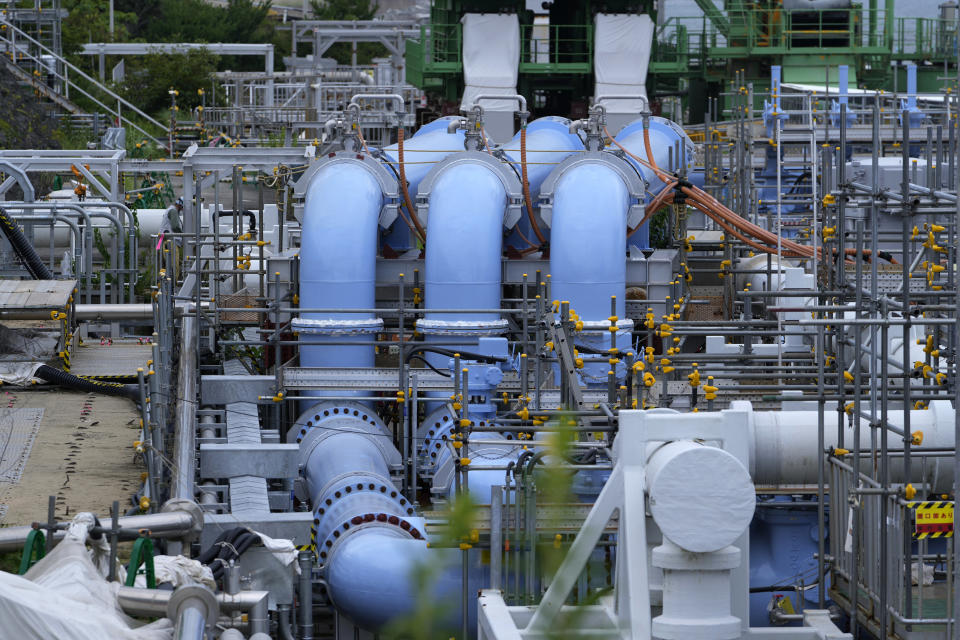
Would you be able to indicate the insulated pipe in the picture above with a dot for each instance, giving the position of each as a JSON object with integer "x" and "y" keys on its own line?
{"x": 783, "y": 446}
{"x": 168, "y": 524}
{"x": 549, "y": 142}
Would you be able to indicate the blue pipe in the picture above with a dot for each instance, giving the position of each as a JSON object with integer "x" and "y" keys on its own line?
{"x": 549, "y": 142}
{"x": 587, "y": 251}
{"x": 664, "y": 136}
{"x": 338, "y": 264}
{"x": 464, "y": 236}
{"x": 428, "y": 146}
{"x": 910, "y": 105}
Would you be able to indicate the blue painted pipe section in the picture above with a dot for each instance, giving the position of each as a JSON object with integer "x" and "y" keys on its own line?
{"x": 783, "y": 547}
{"x": 671, "y": 148}
{"x": 338, "y": 259}
{"x": 428, "y": 146}
{"x": 464, "y": 236}
{"x": 549, "y": 142}
{"x": 587, "y": 250}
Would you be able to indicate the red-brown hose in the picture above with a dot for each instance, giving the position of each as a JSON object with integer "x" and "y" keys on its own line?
{"x": 418, "y": 228}
{"x": 528, "y": 201}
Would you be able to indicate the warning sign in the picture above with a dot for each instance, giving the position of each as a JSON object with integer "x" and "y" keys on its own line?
{"x": 932, "y": 519}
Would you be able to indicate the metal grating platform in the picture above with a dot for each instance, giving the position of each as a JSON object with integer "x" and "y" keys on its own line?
{"x": 116, "y": 360}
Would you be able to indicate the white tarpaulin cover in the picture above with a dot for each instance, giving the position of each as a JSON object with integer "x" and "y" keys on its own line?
{"x": 65, "y": 596}
{"x": 491, "y": 59}
{"x": 621, "y": 55}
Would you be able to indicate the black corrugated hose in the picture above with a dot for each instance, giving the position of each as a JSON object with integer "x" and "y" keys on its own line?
{"x": 229, "y": 545}
{"x": 28, "y": 255}
{"x": 64, "y": 379}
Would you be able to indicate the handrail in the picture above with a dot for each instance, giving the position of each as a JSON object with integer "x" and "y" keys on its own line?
{"x": 13, "y": 29}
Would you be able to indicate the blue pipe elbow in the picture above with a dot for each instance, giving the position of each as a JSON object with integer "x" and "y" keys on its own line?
{"x": 587, "y": 253}
{"x": 338, "y": 259}
{"x": 549, "y": 142}
{"x": 428, "y": 146}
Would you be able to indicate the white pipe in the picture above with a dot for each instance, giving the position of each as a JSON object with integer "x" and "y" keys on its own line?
{"x": 783, "y": 447}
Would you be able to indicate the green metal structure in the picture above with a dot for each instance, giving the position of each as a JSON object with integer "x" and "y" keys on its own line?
{"x": 695, "y": 57}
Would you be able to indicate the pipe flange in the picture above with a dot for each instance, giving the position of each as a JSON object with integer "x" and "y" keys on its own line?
{"x": 190, "y": 507}
{"x": 333, "y": 327}
{"x": 346, "y": 485}
{"x": 386, "y": 180}
{"x": 432, "y": 327}
{"x": 433, "y": 451}
{"x": 632, "y": 180}
{"x": 506, "y": 174}
{"x": 316, "y": 416}
{"x": 396, "y": 524}
{"x": 194, "y": 594}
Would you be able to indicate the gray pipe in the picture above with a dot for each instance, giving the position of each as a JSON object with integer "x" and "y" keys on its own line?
{"x": 185, "y": 429}
{"x": 180, "y": 521}
{"x": 153, "y": 603}
{"x": 305, "y": 558}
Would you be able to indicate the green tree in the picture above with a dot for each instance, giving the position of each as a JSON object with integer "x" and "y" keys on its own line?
{"x": 89, "y": 21}
{"x": 150, "y": 78}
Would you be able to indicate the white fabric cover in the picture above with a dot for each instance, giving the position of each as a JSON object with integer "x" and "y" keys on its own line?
{"x": 64, "y": 596}
{"x": 621, "y": 55}
{"x": 491, "y": 59}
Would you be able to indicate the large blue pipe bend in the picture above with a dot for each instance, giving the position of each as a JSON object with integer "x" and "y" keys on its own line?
{"x": 338, "y": 261}
{"x": 587, "y": 253}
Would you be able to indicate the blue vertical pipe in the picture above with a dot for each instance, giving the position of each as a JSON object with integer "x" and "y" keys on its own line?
{"x": 338, "y": 257}
{"x": 911, "y": 87}
{"x": 428, "y": 146}
{"x": 588, "y": 250}
{"x": 549, "y": 142}
{"x": 775, "y": 86}
{"x": 464, "y": 237}
{"x": 843, "y": 82}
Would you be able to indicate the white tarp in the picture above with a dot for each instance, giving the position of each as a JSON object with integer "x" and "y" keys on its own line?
{"x": 65, "y": 596}
{"x": 491, "y": 59}
{"x": 621, "y": 55}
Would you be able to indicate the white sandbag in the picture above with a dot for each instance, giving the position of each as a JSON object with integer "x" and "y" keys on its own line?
{"x": 64, "y": 596}
{"x": 174, "y": 570}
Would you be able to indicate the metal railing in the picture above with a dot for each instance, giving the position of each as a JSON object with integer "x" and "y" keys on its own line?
{"x": 869, "y": 531}
{"x": 855, "y": 30}
{"x": 556, "y": 48}
{"x": 55, "y": 74}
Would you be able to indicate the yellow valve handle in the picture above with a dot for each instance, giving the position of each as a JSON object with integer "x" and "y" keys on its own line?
{"x": 916, "y": 438}
{"x": 909, "y": 492}
{"x": 848, "y": 376}
{"x": 648, "y": 379}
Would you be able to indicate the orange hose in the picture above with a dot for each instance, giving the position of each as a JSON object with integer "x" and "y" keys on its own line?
{"x": 420, "y": 231}
{"x": 654, "y": 206}
{"x": 526, "y": 186}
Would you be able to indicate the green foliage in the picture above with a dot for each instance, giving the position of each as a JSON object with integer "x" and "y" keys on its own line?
{"x": 349, "y": 10}
{"x": 89, "y": 21}
{"x": 149, "y": 79}
{"x": 660, "y": 228}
